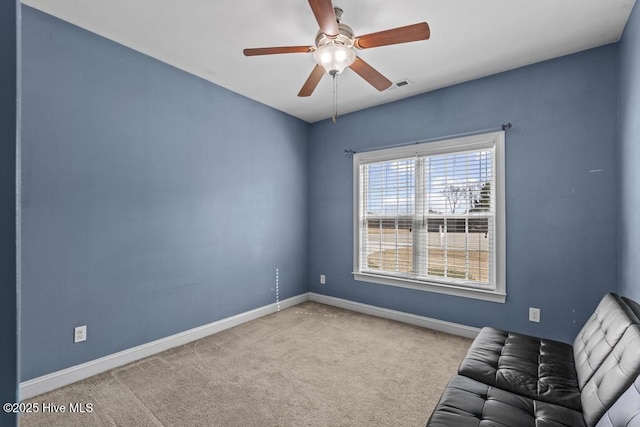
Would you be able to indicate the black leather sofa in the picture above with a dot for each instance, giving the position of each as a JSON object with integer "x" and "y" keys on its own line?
{"x": 510, "y": 380}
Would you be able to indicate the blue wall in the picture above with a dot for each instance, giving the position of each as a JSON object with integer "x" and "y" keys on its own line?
{"x": 561, "y": 202}
{"x": 8, "y": 302}
{"x": 152, "y": 201}
{"x": 630, "y": 157}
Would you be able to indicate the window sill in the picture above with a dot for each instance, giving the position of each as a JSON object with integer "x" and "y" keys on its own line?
{"x": 481, "y": 294}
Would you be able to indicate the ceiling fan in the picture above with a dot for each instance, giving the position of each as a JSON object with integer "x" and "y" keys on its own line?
{"x": 335, "y": 46}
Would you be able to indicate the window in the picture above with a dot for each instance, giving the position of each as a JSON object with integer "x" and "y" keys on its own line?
{"x": 430, "y": 216}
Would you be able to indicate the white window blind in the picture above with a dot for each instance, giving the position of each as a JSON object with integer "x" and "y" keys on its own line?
{"x": 429, "y": 213}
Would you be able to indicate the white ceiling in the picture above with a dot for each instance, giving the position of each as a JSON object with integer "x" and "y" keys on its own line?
{"x": 469, "y": 39}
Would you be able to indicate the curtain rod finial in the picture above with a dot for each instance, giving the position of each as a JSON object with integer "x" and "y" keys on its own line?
{"x": 506, "y": 126}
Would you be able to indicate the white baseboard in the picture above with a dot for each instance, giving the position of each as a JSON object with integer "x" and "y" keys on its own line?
{"x": 413, "y": 319}
{"x": 76, "y": 373}
{"x": 70, "y": 375}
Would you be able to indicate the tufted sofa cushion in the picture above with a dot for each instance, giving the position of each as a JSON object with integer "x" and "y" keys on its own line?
{"x": 600, "y": 334}
{"x": 626, "y": 410}
{"x": 469, "y": 403}
{"x": 548, "y": 370}
{"x": 615, "y": 375}
{"x": 529, "y": 366}
{"x": 509, "y": 379}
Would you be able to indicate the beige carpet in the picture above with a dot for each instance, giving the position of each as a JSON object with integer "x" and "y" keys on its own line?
{"x": 309, "y": 365}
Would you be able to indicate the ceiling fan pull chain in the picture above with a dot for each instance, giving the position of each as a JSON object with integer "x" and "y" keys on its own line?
{"x": 335, "y": 98}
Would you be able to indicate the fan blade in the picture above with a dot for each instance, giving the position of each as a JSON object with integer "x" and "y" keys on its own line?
{"x": 410, "y": 33}
{"x": 370, "y": 74}
{"x": 313, "y": 80}
{"x": 274, "y": 50}
{"x": 326, "y": 16}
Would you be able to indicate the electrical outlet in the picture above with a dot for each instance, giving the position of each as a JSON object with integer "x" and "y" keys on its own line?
{"x": 323, "y": 279}
{"x": 534, "y": 315}
{"x": 80, "y": 334}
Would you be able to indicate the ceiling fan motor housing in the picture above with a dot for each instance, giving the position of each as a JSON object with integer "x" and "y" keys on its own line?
{"x": 345, "y": 36}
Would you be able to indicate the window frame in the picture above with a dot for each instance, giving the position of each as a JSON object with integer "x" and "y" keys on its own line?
{"x": 495, "y": 140}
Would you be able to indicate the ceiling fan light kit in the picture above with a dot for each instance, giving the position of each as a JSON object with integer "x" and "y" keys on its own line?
{"x": 335, "y": 53}
{"x": 335, "y": 46}
{"x": 334, "y": 57}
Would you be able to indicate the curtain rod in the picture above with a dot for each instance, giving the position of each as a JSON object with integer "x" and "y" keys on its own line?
{"x": 504, "y": 127}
